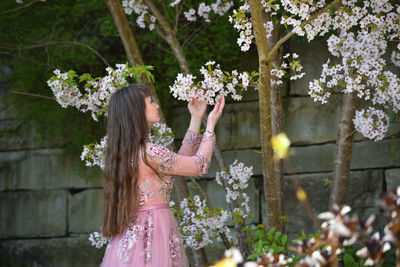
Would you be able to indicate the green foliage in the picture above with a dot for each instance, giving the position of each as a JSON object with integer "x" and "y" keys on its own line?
{"x": 304, "y": 236}
{"x": 28, "y": 67}
{"x": 33, "y": 45}
{"x": 263, "y": 242}
{"x": 350, "y": 259}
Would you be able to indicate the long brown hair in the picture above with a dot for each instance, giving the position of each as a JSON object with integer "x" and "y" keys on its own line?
{"x": 127, "y": 132}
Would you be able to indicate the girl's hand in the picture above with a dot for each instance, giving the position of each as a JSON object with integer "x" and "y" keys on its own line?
{"x": 215, "y": 114}
{"x": 197, "y": 108}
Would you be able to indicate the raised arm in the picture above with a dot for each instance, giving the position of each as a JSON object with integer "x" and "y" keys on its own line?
{"x": 192, "y": 138}
{"x": 167, "y": 162}
{"x": 190, "y": 143}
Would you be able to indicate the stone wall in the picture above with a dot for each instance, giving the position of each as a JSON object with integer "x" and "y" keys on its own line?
{"x": 49, "y": 201}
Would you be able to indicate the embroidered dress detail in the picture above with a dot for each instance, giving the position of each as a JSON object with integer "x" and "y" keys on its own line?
{"x": 202, "y": 163}
{"x": 166, "y": 159}
{"x": 208, "y": 136}
{"x": 166, "y": 188}
{"x": 126, "y": 243}
{"x": 144, "y": 192}
{"x": 176, "y": 248}
{"x": 191, "y": 138}
{"x": 148, "y": 236}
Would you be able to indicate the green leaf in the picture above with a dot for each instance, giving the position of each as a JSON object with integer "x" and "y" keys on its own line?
{"x": 277, "y": 235}
{"x": 284, "y": 240}
{"x": 252, "y": 256}
{"x": 349, "y": 261}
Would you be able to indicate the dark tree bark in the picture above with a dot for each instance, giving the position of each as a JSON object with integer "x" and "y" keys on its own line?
{"x": 344, "y": 146}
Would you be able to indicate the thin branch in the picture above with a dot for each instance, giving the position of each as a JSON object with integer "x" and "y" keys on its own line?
{"x": 18, "y": 8}
{"x": 201, "y": 191}
{"x": 161, "y": 33}
{"x": 23, "y": 47}
{"x": 166, "y": 11}
{"x": 178, "y": 10}
{"x": 195, "y": 34}
{"x": 290, "y": 34}
{"x": 28, "y": 59}
{"x": 30, "y": 94}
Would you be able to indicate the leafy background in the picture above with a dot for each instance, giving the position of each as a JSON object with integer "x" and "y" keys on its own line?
{"x": 89, "y": 22}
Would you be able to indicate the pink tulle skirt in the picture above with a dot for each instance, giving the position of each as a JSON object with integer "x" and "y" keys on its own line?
{"x": 152, "y": 241}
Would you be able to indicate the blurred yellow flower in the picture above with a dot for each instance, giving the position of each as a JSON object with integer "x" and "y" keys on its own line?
{"x": 280, "y": 145}
{"x": 301, "y": 195}
{"x": 226, "y": 262}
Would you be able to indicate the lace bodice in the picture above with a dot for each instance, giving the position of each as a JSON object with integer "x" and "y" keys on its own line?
{"x": 156, "y": 177}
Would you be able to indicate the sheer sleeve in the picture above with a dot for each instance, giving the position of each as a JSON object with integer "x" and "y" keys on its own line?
{"x": 190, "y": 143}
{"x": 170, "y": 163}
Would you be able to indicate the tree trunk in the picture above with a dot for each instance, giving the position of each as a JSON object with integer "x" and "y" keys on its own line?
{"x": 276, "y": 113}
{"x": 344, "y": 146}
{"x": 134, "y": 57}
{"x": 264, "y": 91}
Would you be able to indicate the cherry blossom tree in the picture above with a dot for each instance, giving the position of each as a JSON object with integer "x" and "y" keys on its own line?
{"x": 376, "y": 23}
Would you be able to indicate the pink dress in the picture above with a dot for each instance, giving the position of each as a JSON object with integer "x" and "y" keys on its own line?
{"x": 153, "y": 239}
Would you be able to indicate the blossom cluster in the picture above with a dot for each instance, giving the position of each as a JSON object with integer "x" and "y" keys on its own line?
{"x": 97, "y": 91}
{"x": 243, "y": 25}
{"x": 93, "y": 154}
{"x": 199, "y": 225}
{"x": 338, "y": 230}
{"x": 371, "y": 123}
{"x": 362, "y": 69}
{"x": 235, "y": 181}
{"x": 146, "y": 19}
{"x": 161, "y": 134}
{"x": 220, "y": 7}
{"x": 98, "y": 240}
{"x": 293, "y": 14}
{"x": 142, "y": 12}
{"x": 214, "y": 84}
{"x": 297, "y": 14}
{"x": 290, "y": 64}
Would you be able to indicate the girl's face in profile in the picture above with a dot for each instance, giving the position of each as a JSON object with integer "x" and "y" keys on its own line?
{"x": 152, "y": 115}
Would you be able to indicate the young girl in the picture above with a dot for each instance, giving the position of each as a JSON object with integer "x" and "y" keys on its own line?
{"x": 138, "y": 179}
